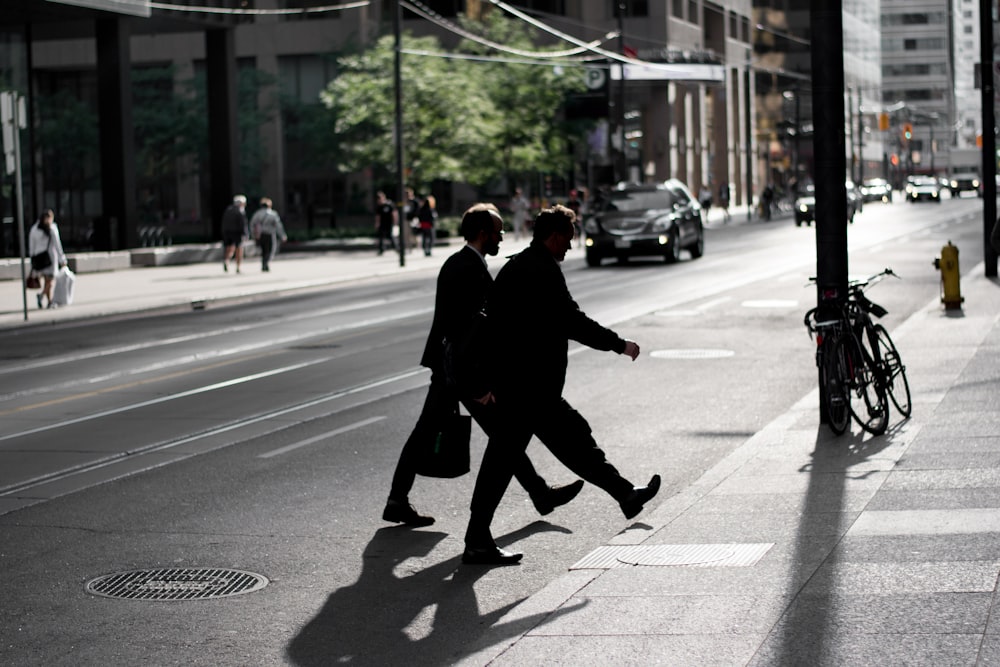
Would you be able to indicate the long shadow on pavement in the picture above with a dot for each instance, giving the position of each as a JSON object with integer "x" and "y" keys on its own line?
{"x": 367, "y": 622}
{"x": 806, "y": 634}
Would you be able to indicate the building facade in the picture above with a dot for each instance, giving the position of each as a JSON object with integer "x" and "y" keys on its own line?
{"x": 697, "y": 128}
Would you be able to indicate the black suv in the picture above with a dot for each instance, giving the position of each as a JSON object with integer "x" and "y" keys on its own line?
{"x": 645, "y": 220}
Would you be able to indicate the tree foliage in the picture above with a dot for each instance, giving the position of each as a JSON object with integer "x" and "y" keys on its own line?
{"x": 463, "y": 120}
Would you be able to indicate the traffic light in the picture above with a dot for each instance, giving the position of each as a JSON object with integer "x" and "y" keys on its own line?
{"x": 895, "y": 160}
{"x": 907, "y": 131}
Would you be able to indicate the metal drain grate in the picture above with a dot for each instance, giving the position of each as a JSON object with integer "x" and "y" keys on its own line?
{"x": 663, "y": 555}
{"x": 199, "y": 583}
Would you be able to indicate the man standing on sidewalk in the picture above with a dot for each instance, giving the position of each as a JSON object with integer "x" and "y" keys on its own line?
{"x": 462, "y": 288}
{"x": 532, "y": 311}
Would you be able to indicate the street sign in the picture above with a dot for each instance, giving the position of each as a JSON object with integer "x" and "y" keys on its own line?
{"x": 883, "y": 121}
{"x": 597, "y": 77}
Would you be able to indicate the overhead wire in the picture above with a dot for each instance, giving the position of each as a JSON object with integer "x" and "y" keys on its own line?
{"x": 167, "y": 6}
{"x": 421, "y": 10}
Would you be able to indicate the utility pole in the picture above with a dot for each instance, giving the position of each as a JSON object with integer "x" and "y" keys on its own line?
{"x": 397, "y": 28}
{"x": 826, "y": 26}
{"x": 989, "y": 133}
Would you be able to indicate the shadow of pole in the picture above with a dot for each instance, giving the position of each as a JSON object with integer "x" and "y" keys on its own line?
{"x": 805, "y": 633}
{"x": 398, "y": 614}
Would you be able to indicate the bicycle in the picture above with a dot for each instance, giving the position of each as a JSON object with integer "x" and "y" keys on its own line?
{"x": 860, "y": 369}
{"x": 890, "y": 371}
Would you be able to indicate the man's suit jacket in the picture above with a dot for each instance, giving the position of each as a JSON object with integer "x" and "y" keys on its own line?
{"x": 532, "y": 314}
{"x": 463, "y": 286}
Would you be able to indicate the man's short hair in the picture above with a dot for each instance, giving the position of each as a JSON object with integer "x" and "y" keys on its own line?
{"x": 555, "y": 220}
{"x": 479, "y": 218}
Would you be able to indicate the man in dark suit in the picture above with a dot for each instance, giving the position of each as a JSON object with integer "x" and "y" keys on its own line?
{"x": 532, "y": 311}
{"x": 462, "y": 289}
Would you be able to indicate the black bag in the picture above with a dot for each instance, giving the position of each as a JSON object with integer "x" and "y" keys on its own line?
{"x": 42, "y": 260}
{"x": 447, "y": 454}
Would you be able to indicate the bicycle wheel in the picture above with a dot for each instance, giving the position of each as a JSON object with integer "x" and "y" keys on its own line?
{"x": 833, "y": 380}
{"x": 868, "y": 403}
{"x": 896, "y": 384}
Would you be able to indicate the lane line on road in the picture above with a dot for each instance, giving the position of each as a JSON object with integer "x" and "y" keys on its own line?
{"x": 317, "y": 438}
{"x": 218, "y": 430}
{"x": 202, "y": 356}
{"x": 164, "y": 399}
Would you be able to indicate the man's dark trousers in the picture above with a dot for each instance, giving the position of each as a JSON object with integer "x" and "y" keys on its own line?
{"x": 439, "y": 403}
{"x": 563, "y": 431}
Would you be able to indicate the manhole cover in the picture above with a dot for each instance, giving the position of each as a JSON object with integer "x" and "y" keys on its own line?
{"x": 176, "y": 584}
{"x": 691, "y": 354}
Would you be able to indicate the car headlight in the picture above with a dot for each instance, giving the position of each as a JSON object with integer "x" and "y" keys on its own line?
{"x": 975, "y": 183}
{"x": 803, "y": 208}
{"x": 591, "y": 226}
{"x": 954, "y": 184}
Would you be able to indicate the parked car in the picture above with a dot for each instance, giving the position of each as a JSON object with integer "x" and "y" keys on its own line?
{"x": 805, "y": 206}
{"x": 965, "y": 182}
{"x": 923, "y": 188}
{"x": 876, "y": 189}
{"x": 645, "y": 220}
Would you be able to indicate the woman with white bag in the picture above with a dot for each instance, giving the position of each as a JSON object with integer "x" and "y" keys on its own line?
{"x": 46, "y": 252}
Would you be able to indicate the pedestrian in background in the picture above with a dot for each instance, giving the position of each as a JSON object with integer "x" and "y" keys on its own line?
{"x": 267, "y": 229}
{"x": 427, "y": 217}
{"x": 531, "y": 310}
{"x": 234, "y": 232}
{"x": 46, "y": 252}
{"x": 462, "y": 288}
{"x": 724, "y": 200}
{"x": 385, "y": 218}
{"x": 520, "y": 209}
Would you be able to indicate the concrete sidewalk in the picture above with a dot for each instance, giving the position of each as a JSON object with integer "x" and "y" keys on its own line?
{"x": 803, "y": 548}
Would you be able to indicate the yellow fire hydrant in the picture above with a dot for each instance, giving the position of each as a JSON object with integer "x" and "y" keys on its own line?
{"x": 951, "y": 289}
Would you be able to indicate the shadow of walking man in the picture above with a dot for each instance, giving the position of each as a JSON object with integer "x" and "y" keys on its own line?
{"x": 400, "y": 612}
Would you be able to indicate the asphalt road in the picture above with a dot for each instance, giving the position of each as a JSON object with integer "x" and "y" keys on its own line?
{"x": 262, "y": 437}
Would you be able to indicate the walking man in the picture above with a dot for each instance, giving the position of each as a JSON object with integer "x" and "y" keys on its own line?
{"x": 462, "y": 288}
{"x": 267, "y": 229}
{"x": 532, "y": 311}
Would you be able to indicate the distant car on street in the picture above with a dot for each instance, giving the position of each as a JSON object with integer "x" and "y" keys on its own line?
{"x": 923, "y": 188}
{"x": 965, "y": 182}
{"x": 876, "y": 189}
{"x": 645, "y": 220}
{"x": 805, "y": 206}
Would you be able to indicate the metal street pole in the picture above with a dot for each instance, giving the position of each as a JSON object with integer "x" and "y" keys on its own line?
{"x": 622, "y": 162}
{"x": 989, "y": 133}
{"x": 749, "y": 137}
{"x": 397, "y": 27}
{"x": 13, "y": 118}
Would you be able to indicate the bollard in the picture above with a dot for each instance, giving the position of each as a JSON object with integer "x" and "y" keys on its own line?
{"x": 951, "y": 288}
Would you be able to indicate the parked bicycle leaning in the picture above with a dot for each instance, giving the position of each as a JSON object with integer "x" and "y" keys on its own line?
{"x": 860, "y": 369}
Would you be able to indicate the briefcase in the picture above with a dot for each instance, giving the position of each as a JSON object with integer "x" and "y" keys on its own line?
{"x": 447, "y": 453}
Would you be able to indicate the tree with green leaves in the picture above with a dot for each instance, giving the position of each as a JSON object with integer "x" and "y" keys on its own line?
{"x": 531, "y": 135}
{"x": 448, "y": 117}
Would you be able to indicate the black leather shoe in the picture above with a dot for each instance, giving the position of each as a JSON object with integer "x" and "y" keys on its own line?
{"x": 555, "y": 496}
{"x": 490, "y": 556}
{"x": 640, "y": 495}
{"x": 401, "y": 512}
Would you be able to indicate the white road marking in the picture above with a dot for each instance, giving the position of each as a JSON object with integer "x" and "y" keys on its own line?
{"x": 317, "y": 438}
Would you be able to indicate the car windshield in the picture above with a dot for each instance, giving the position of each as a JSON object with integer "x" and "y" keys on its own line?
{"x": 638, "y": 200}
